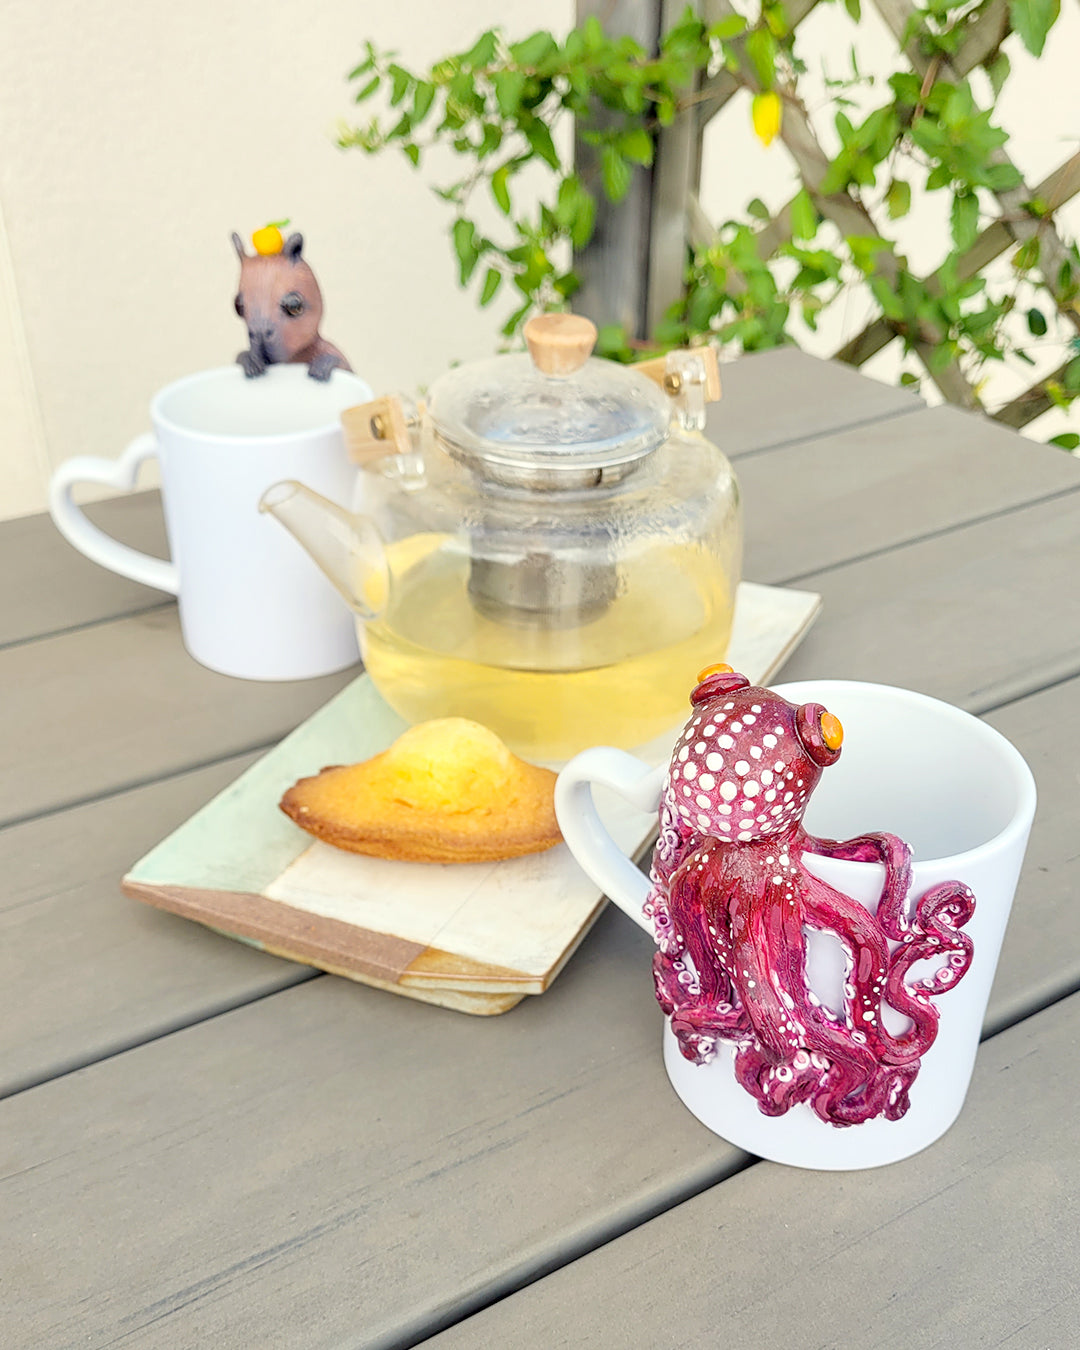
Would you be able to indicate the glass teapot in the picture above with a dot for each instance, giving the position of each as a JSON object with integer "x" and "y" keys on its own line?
{"x": 551, "y": 547}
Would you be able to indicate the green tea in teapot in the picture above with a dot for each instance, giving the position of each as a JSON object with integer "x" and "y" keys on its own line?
{"x": 548, "y": 691}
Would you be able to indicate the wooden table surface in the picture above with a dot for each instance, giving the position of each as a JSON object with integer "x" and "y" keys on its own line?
{"x": 206, "y": 1146}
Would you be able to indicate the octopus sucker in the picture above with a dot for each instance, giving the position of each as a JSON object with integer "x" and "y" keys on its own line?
{"x": 731, "y": 917}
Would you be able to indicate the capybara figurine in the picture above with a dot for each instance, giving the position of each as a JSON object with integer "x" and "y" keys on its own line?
{"x": 280, "y": 301}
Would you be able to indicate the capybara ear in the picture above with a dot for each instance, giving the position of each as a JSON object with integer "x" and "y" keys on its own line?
{"x": 238, "y": 244}
{"x": 292, "y": 247}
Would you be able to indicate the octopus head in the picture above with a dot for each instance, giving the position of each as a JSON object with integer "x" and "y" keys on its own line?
{"x": 748, "y": 760}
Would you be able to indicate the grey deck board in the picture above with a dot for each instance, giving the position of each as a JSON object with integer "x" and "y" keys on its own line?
{"x": 979, "y": 616}
{"x": 104, "y": 708}
{"x": 128, "y": 685}
{"x": 1040, "y": 958}
{"x": 971, "y": 1243}
{"x": 60, "y": 589}
{"x": 57, "y": 587}
{"x": 851, "y": 493}
{"x": 529, "y": 1137}
{"x": 773, "y": 397}
{"x": 330, "y": 1165}
{"x": 85, "y": 971}
{"x": 335, "y": 1166}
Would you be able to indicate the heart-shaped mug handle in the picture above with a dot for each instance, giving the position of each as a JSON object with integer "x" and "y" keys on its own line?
{"x": 594, "y": 849}
{"x": 95, "y": 543}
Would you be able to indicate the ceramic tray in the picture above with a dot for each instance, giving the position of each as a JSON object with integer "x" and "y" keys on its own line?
{"x": 476, "y": 937}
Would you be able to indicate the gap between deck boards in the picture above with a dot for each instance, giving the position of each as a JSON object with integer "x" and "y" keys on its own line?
{"x": 513, "y": 1281}
{"x": 1068, "y": 667}
{"x": 90, "y": 623}
{"x": 1000, "y": 513}
{"x": 737, "y": 456}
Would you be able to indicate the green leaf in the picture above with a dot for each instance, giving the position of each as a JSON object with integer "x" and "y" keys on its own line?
{"x": 511, "y": 325}
{"x": 998, "y": 70}
{"x": 804, "y": 216}
{"x": 761, "y": 49}
{"x": 365, "y": 65}
{"x": 611, "y": 340}
{"x": 492, "y": 282}
{"x": 401, "y": 81}
{"x": 422, "y": 100}
{"x": 1068, "y": 440}
{"x": 582, "y": 229}
{"x": 964, "y": 219}
{"x": 1071, "y": 376}
{"x": 464, "y": 237}
{"x": 939, "y": 177}
{"x": 1033, "y": 19}
{"x": 890, "y": 303}
{"x": 1002, "y": 177}
{"x": 412, "y": 153}
{"x": 636, "y": 145}
{"x": 567, "y": 284}
{"x": 509, "y": 86}
{"x": 538, "y": 136}
{"x": 1036, "y": 322}
{"x": 729, "y": 27}
{"x": 531, "y": 51}
{"x": 499, "y": 189}
{"x": 368, "y": 89}
{"x": 483, "y": 50}
{"x": 490, "y": 141}
{"x": 615, "y": 172}
{"x": 864, "y": 249}
{"x": 1027, "y": 255}
{"x": 898, "y": 198}
{"x": 776, "y": 19}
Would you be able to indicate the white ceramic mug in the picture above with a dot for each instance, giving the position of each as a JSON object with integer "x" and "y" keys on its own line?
{"x": 949, "y": 785}
{"x": 252, "y": 603}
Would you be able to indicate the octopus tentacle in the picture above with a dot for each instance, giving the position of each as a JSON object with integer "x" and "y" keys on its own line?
{"x": 939, "y": 914}
{"x": 894, "y": 855}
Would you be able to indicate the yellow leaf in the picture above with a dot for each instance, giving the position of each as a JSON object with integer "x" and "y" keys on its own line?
{"x": 767, "y": 112}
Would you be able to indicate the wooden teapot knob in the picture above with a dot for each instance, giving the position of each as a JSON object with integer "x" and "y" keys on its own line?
{"x": 559, "y": 344}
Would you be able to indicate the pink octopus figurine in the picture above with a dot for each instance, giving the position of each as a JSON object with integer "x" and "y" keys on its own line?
{"x": 731, "y": 902}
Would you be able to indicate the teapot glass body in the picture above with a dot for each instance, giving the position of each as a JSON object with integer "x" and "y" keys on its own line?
{"x": 560, "y": 619}
{"x": 552, "y": 547}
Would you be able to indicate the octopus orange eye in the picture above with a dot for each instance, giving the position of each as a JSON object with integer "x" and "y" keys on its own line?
{"x": 820, "y": 733}
{"x": 832, "y": 733}
{"x": 718, "y": 669}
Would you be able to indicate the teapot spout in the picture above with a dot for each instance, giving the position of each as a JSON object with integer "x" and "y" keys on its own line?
{"x": 348, "y": 548}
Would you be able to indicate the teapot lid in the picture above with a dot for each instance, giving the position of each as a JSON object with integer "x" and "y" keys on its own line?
{"x": 552, "y": 418}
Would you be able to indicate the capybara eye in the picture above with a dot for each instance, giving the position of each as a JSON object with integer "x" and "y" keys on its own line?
{"x": 293, "y": 304}
{"x": 238, "y": 303}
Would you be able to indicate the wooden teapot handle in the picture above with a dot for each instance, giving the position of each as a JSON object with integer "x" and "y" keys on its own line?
{"x": 375, "y": 429}
{"x": 663, "y": 370}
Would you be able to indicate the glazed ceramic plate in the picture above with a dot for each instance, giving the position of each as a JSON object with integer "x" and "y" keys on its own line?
{"x": 476, "y": 937}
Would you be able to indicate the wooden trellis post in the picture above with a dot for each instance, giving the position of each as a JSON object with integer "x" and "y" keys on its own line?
{"x": 632, "y": 268}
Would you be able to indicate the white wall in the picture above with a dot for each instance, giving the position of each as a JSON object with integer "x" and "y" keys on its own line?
{"x": 135, "y": 135}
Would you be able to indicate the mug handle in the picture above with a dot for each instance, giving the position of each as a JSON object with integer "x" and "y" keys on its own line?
{"x": 594, "y": 849}
{"x": 87, "y": 538}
